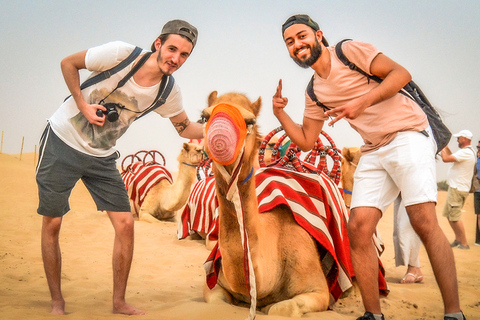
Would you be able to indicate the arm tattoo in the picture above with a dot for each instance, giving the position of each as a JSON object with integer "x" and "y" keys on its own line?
{"x": 181, "y": 126}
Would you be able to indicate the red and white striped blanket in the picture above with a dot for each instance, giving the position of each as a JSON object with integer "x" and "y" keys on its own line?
{"x": 318, "y": 207}
{"x": 140, "y": 178}
{"x": 201, "y": 211}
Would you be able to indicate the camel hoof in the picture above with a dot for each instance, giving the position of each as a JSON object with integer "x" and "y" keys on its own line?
{"x": 286, "y": 308}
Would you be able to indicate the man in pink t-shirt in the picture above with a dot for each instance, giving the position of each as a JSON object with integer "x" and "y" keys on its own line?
{"x": 398, "y": 155}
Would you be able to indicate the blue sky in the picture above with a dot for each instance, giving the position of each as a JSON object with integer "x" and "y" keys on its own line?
{"x": 240, "y": 49}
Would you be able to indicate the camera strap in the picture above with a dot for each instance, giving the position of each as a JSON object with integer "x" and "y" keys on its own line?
{"x": 129, "y": 74}
{"x": 163, "y": 91}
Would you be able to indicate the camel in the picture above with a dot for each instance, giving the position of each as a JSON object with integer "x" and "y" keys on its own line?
{"x": 283, "y": 257}
{"x": 162, "y": 200}
{"x": 350, "y": 158}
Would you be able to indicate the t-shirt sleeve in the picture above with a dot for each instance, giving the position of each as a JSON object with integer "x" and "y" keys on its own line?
{"x": 174, "y": 104}
{"x": 360, "y": 53}
{"x": 107, "y": 55}
{"x": 312, "y": 111}
{"x": 463, "y": 154}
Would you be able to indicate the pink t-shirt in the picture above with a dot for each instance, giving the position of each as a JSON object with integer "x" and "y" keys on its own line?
{"x": 379, "y": 123}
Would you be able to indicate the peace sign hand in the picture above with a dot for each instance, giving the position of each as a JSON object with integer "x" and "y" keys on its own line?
{"x": 278, "y": 101}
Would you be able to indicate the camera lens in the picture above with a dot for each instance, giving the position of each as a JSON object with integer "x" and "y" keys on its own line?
{"x": 111, "y": 112}
{"x": 112, "y": 115}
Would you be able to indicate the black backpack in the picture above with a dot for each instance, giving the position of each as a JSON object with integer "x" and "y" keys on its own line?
{"x": 440, "y": 131}
{"x": 163, "y": 91}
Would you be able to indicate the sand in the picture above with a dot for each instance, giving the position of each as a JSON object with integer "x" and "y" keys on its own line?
{"x": 167, "y": 274}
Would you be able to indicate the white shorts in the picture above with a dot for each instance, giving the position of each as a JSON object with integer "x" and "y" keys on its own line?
{"x": 406, "y": 165}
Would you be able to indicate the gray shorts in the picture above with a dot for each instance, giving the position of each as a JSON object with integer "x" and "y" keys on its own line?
{"x": 59, "y": 169}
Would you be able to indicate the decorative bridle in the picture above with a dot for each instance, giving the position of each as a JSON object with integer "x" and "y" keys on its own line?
{"x": 346, "y": 190}
{"x": 315, "y": 161}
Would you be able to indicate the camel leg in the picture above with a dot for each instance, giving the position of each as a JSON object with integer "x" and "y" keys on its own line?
{"x": 145, "y": 216}
{"x": 299, "y": 305}
{"x": 210, "y": 244}
{"x": 216, "y": 295}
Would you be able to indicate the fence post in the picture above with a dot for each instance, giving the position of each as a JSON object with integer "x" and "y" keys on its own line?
{"x": 21, "y": 150}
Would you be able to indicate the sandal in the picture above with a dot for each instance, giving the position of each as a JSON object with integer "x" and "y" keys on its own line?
{"x": 411, "y": 278}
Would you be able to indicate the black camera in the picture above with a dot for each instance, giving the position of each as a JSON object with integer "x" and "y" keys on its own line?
{"x": 111, "y": 113}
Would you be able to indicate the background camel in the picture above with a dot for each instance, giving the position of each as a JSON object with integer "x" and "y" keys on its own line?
{"x": 161, "y": 197}
{"x": 350, "y": 158}
{"x": 281, "y": 255}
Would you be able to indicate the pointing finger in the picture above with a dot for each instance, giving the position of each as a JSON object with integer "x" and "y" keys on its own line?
{"x": 278, "y": 94}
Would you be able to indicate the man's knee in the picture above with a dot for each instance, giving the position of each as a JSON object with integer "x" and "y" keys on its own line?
{"x": 51, "y": 226}
{"x": 123, "y": 222}
{"x": 361, "y": 225}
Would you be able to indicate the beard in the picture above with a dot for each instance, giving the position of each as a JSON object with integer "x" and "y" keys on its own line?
{"x": 315, "y": 53}
{"x": 165, "y": 70}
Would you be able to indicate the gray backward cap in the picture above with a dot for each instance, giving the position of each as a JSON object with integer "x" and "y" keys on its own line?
{"x": 181, "y": 27}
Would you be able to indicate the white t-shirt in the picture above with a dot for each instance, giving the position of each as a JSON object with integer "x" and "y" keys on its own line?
{"x": 70, "y": 125}
{"x": 461, "y": 172}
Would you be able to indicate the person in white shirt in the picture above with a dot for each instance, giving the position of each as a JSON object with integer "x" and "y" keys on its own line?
{"x": 79, "y": 139}
{"x": 459, "y": 181}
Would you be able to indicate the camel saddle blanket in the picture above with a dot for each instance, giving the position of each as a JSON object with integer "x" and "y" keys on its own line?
{"x": 140, "y": 178}
{"x": 201, "y": 211}
{"x": 317, "y": 206}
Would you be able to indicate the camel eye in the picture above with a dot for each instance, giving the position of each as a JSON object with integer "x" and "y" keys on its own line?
{"x": 249, "y": 122}
{"x": 204, "y": 118}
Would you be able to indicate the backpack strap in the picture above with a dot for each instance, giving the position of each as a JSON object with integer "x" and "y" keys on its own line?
{"x": 351, "y": 65}
{"x": 312, "y": 95}
{"x": 411, "y": 90}
{"x": 164, "y": 90}
{"x": 108, "y": 73}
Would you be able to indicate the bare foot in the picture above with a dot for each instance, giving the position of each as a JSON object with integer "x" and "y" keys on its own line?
{"x": 128, "y": 310}
{"x": 58, "y": 307}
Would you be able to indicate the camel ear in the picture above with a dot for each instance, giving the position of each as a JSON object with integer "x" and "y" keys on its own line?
{"x": 186, "y": 146}
{"x": 256, "y": 106}
{"x": 347, "y": 153}
{"x": 357, "y": 154}
{"x": 212, "y": 97}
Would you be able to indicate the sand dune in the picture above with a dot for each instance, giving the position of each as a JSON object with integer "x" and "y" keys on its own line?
{"x": 167, "y": 274}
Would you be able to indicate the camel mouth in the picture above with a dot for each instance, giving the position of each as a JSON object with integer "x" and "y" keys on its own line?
{"x": 225, "y": 134}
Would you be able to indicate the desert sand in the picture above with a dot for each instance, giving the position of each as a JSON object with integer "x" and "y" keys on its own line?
{"x": 167, "y": 274}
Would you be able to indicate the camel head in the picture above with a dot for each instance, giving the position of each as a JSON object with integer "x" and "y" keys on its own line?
{"x": 350, "y": 159}
{"x": 231, "y": 129}
{"x": 191, "y": 154}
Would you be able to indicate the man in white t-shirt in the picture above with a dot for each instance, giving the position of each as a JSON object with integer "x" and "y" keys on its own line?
{"x": 459, "y": 180}
{"x": 79, "y": 139}
{"x": 398, "y": 154}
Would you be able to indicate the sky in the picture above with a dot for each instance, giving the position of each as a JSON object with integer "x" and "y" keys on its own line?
{"x": 239, "y": 49}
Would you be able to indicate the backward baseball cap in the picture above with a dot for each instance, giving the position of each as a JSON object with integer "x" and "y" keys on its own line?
{"x": 182, "y": 28}
{"x": 302, "y": 19}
